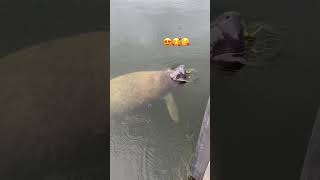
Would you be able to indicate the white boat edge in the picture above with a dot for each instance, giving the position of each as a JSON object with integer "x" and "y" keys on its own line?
{"x": 207, "y": 173}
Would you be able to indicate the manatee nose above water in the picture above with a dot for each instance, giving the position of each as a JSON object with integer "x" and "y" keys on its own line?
{"x": 179, "y": 74}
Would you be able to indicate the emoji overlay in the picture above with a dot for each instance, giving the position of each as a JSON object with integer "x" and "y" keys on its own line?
{"x": 176, "y": 42}
{"x": 167, "y": 41}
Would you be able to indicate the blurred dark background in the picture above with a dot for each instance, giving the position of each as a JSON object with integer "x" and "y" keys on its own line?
{"x": 29, "y": 22}
{"x": 264, "y": 115}
{"x": 54, "y": 98}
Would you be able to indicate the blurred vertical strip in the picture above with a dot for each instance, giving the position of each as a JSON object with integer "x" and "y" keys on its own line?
{"x": 311, "y": 166}
{"x": 202, "y": 154}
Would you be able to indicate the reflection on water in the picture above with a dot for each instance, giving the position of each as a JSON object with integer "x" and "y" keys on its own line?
{"x": 146, "y": 144}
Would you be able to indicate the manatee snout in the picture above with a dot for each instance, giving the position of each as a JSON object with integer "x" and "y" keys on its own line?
{"x": 179, "y": 74}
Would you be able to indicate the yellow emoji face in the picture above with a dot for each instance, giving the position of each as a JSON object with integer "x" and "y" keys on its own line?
{"x": 176, "y": 42}
{"x": 185, "y": 42}
{"x": 167, "y": 41}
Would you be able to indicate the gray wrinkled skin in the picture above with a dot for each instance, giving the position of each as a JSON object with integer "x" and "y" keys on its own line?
{"x": 227, "y": 39}
{"x": 179, "y": 74}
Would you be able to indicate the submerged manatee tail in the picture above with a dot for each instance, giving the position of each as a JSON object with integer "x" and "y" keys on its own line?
{"x": 172, "y": 107}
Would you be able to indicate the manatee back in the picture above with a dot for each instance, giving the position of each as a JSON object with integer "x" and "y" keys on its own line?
{"x": 132, "y": 90}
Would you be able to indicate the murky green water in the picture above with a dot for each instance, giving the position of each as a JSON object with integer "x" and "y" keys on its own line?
{"x": 148, "y": 145}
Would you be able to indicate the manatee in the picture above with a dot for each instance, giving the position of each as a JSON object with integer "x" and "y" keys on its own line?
{"x": 227, "y": 43}
{"x": 52, "y": 103}
{"x": 132, "y": 90}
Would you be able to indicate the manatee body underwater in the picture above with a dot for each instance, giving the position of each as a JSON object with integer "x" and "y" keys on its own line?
{"x": 132, "y": 90}
{"x": 227, "y": 42}
{"x": 53, "y": 99}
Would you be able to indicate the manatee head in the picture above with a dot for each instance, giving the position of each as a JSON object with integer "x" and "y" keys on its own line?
{"x": 230, "y": 24}
{"x": 179, "y": 74}
{"x": 227, "y": 39}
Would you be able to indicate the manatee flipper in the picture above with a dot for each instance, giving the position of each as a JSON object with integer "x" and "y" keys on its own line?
{"x": 172, "y": 107}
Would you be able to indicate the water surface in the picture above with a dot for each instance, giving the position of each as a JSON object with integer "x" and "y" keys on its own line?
{"x": 148, "y": 145}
